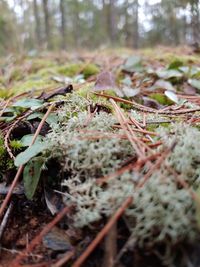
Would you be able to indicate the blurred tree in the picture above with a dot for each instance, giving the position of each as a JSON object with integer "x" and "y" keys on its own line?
{"x": 47, "y": 24}
{"x": 37, "y": 23}
{"x": 91, "y": 23}
{"x": 166, "y": 27}
{"x": 111, "y": 20}
{"x": 195, "y": 20}
{"x": 8, "y": 36}
{"x": 63, "y": 24}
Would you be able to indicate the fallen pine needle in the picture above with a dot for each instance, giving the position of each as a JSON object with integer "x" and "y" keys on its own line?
{"x": 102, "y": 233}
{"x": 64, "y": 259}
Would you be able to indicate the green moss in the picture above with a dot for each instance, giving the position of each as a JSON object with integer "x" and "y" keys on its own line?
{"x": 6, "y": 93}
{"x": 89, "y": 70}
{"x": 69, "y": 70}
{"x": 16, "y": 145}
{"x": 5, "y": 162}
{"x": 161, "y": 99}
{"x": 32, "y": 84}
{"x": 85, "y": 90}
{"x": 126, "y": 106}
{"x": 46, "y": 72}
{"x": 38, "y": 64}
{"x": 17, "y": 74}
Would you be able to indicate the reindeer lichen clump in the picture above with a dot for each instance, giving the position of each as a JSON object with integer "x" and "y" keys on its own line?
{"x": 184, "y": 158}
{"x": 88, "y": 148}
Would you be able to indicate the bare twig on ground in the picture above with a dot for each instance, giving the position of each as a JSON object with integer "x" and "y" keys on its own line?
{"x": 5, "y": 219}
{"x": 68, "y": 255}
{"x": 147, "y": 109}
{"x": 110, "y": 247}
{"x": 103, "y": 232}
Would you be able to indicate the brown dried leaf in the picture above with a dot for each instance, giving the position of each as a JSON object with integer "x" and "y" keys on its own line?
{"x": 105, "y": 81}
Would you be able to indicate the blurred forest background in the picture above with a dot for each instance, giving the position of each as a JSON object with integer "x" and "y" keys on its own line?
{"x": 30, "y": 25}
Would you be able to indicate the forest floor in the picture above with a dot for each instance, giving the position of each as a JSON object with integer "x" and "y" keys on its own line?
{"x": 99, "y": 158}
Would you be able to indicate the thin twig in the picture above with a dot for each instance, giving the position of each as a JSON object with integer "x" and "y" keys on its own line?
{"x": 14, "y": 251}
{"x": 131, "y": 166}
{"x": 4, "y": 108}
{"x": 155, "y": 166}
{"x": 147, "y": 109}
{"x": 64, "y": 259}
{"x": 103, "y": 232}
{"x": 110, "y": 247}
{"x": 5, "y": 220}
{"x": 132, "y": 138}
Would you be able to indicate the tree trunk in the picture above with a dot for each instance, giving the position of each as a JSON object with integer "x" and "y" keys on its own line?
{"x": 63, "y": 24}
{"x": 47, "y": 24}
{"x": 112, "y": 21}
{"x": 195, "y": 23}
{"x": 37, "y": 24}
{"x": 136, "y": 25}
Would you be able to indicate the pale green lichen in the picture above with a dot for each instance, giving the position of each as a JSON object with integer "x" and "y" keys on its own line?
{"x": 74, "y": 104}
{"x": 93, "y": 202}
{"x": 184, "y": 157}
{"x": 162, "y": 213}
{"x": 83, "y": 154}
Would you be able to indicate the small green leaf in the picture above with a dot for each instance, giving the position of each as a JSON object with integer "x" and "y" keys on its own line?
{"x": 162, "y": 84}
{"x": 27, "y": 139}
{"x": 168, "y": 74}
{"x": 133, "y": 63}
{"x": 172, "y": 96}
{"x": 31, "y": 176}
{"x": 127, "y": 81}
{"x": 52, "y": 118}
{"x": 160, "y": 98}
{"x": 35, "y": 115}
{"x": 195, "y": 83}
{"x": 175, "y": 64}
{"x": 185, "y": 69}
{"x": 29, "y": 153}
{"x": 130, "y": 92}
{"x": 29, "y": 103}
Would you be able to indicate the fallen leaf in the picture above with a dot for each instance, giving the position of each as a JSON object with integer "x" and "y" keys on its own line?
{"x": 195, "y": 83}
{"x": 29, "y": 153}
{"x": 53, "y": 200}
{"x": 57, "y": 240}
{"x": 130, "y": 92}
{"x": 133, "y": 64}
{"x": 168, "y": 74}
{"x": 162, "y": 84}
{"x": 106, "y": 81}
{"x": 29, "y": 103}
